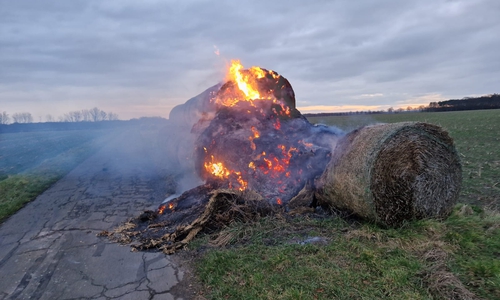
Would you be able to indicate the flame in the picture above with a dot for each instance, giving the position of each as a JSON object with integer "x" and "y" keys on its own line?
{"x": 246, "y": 81}
{"x": 255, "y": 135}
{"x": 219, "y": 170}
{"x": 243, "y": 80}
{"x": 278, "y": 201}
{"x": 162, "y": 207}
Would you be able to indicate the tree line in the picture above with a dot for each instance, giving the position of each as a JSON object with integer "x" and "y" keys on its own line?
{"x": 468, "y": 103}
{"x": 85, "y": 115}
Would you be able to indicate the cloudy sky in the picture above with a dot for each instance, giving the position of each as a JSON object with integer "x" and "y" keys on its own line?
{"x": 141, "y": 58}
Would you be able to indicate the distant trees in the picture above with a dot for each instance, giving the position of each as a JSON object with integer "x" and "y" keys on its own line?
{"x": 84, "y": 115}
{"x": 23, "y": 117}
{"x": 4, "y": 118}
{"x": 89, "y": 115}
{"x": 468, "y": 103}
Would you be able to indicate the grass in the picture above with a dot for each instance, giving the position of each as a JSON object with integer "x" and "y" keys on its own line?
{"x": 31, "y": 162}
{"x": 458, "y": 258}
{"x": 423, "y": 260}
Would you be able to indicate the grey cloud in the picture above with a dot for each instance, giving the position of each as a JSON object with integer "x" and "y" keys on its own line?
{"x": 328, "y": 49}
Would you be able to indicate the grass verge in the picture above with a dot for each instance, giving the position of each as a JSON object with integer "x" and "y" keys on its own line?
{"x": 455, "y": 259}
{"x": 18, "y": 189}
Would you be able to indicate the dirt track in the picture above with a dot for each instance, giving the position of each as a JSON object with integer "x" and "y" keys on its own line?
{"x": 49, "y": 249}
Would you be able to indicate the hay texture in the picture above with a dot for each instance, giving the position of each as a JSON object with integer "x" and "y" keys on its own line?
{"x": 389, "y": 173}
{"x": 203, "y": 208}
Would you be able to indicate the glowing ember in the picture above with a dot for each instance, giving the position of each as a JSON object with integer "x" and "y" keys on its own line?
{"x": 162, "y": 207}
{"x": 219, "y": 170}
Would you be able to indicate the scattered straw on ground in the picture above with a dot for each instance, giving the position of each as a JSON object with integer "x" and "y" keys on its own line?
{"x": 171, "y": 232}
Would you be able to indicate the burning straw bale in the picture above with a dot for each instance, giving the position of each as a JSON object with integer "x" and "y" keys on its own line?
{"x": 389, "y": 173}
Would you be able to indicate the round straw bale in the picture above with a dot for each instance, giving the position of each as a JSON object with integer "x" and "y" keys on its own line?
{"x": 389, "y": 173}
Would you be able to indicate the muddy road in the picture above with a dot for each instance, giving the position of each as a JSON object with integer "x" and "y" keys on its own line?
{"x": 49, "y": 249}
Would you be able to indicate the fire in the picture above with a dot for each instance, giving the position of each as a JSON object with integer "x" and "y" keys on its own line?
{"x": 255, "y": 135}
{"x": 248, "y": 88}
{"x": 268, "y": 96}
{"x": 242, "y": 80}
{"x": 219, "y": 170}
{"x": 162, "y": 207}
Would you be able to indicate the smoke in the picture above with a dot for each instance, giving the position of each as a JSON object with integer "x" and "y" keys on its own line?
{"x": 181, "y": 134}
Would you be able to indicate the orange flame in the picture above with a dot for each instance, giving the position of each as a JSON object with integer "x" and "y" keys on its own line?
{"x": 246, "y": 81}
{"x": 219, "y": 170}
{"x": 162, "y": 208}
{"x": 243, "y": 80}
{"x": 256, "y": 135}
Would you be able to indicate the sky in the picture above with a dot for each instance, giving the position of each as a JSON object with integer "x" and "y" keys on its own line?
{"x": 141, "y": 58}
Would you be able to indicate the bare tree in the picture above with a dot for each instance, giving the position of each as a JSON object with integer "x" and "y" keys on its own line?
{"x": 112, "y": 116}
{"x": 24, "y": 117}
{"x": 102, "y": 115}
{"x": 49, "y": 118}
{"x": 73, "y": 116}
{"x": 77, "y": 115}
{"x": 95, "y": 114}
{"x": 4, "y": 118}
{"x": 86, "y": 115}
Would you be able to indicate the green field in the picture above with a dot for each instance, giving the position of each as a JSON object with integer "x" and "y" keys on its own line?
{"x": 455, "y": 259}
{"x": 30, "y": 162}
